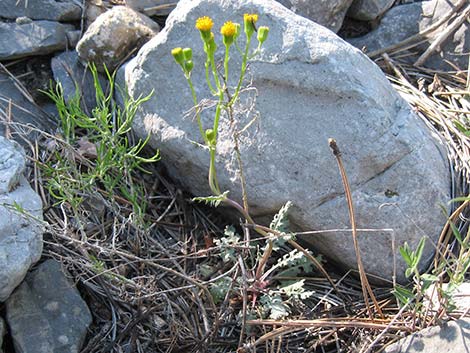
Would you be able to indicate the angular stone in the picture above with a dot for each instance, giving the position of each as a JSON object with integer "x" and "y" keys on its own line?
{"x": 114, "y": 35}
{"x": 368, "y": 10}
{"x": 46, "y": 313}
{"x": 62, "y": 10}
{"x": 451, "y": 337}
{"x": 311, "y": 86}
{"x": 326, "y": 13}
{"x": 34, "y": 38}
{"x": 20, "y": 233}
{"x": 401, "y": 22}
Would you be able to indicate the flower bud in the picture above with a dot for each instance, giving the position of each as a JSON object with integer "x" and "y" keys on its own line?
{"x": 178, "y": 55}
{"x": 263, "y": 32}
{"x": 211, "y": 46}
{"x": 249, "y": 21}
{"x": 188, "y": 66}
{"x": 210, "y": 136}
{"x": 188, "y": 53}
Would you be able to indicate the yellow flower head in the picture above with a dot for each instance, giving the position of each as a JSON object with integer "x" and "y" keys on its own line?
{"x": 228, "y": 29}
{"x": 204, "y": 24}
{"x": 249, "y": 20}
{"x": 250, "y": 17}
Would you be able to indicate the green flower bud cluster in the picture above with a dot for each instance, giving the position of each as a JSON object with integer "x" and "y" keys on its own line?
{"x": 184, "y": 57}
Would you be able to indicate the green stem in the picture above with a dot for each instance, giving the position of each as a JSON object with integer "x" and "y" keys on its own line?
{"x": 208, "y": 80}
{"x": 213, "y": 183}
{"x": 214, "y": 72}
{"x": 198, "y": 115}
{"x": 226, "y": 64}
{"x": 242, "y": 72}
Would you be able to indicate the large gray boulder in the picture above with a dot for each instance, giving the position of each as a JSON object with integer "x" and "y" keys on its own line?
{"x": 404, "y": 21}
{"x": 32, "y": 38}
{"x": 311, "y": 86}
{"x": 451, "y": 337}
{"x": 46, "y": 313}
{"x": 368, "y": 10}
{"x": 113, "y": 35}
{"x": 326, "y": 13}
{"x": 20, "y": 228}
{"x": 62, "y": 10}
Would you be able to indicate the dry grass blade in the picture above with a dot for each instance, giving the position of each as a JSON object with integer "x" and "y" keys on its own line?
{"x": 366, "y": 289}
{"x": 336, "y": 322}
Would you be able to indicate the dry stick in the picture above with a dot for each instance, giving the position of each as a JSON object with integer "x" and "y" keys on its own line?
{"x": 421, "y": 34}
{"x": 338, "y": 323}
{"x": 364, "y": 282}
{"x": 443, "y": 36}
{"x": 379, "y": 337}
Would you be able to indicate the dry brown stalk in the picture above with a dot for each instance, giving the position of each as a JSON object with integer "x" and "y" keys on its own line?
{"x": 366, "y": 289}
{"x": 337, "y": 323}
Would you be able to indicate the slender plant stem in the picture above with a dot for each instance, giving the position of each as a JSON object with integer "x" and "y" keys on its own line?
{"x": 242, "y": 72}
{"x": 366, "y": 289}
{"x": 198, "y": 115}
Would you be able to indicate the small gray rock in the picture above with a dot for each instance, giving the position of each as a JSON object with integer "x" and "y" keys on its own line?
{"x": 403, "y": 21}
{"x": 326, "y": 13}
{"x": 55, "y": 10}
{"x": 460, "y": 296}
{"x": 46, "y": 313}
{"x": 368, "y": 10}
{"x": 114, "y": 35}
{"x": 152, "y": 7}
{"x": 451, "y": 337}
{"x": 311, "y": 86}
{"x": 20, "y": 234}
{"x": 35, "y": 38}
{"x": 71, "y": 74}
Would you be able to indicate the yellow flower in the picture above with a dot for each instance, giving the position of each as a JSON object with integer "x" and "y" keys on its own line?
{"x": 251, "y": 17}
{"x": 228, "y": 29}
{"x": 249, "y": 20}
{"x": 204, "y": 24}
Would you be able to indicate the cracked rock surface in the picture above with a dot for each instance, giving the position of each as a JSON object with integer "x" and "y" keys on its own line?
{"x": 310, "y": 86}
